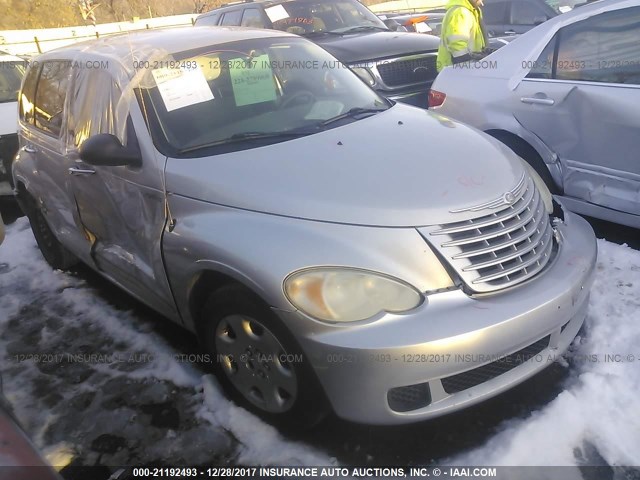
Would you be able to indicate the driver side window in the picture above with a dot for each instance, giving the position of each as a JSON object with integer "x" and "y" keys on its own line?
{"x": 603, "y": 48}
{"x": 542, "y": 67}
{"x": 93, "y": 103}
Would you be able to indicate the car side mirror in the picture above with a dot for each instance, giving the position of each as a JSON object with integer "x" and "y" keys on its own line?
{"x": 540, "y": 19}
{"x": 105, "y": 150}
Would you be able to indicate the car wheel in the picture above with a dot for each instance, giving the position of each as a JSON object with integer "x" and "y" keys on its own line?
{"x": 52, "y": 250}
{"x": 258, "y": 362}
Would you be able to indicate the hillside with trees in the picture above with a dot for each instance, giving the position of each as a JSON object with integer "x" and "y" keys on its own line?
{"x": 28, "y": 14}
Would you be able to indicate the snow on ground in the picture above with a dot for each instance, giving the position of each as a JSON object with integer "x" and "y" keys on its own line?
{"x": 135, "y": 403}
{"x": 598, "y": 414}
{"x": 104, "y": 386}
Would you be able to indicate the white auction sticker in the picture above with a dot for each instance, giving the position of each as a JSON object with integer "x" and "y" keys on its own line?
{"x": 422, "y": 27}
{"x": 181, "y": 87}
{"x": 276, "y": 13}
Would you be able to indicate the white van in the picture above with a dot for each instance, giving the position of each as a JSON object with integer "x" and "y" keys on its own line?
{"x": 11, "y": 73}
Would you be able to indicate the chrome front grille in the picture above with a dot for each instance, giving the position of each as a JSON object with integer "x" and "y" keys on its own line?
{"x": 503, "y": 248}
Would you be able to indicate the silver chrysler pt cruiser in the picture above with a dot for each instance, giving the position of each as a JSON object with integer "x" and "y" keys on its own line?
{"x": 251, "y": 188}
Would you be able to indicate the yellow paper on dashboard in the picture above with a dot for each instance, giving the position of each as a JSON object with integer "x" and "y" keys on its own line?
{"x": 252, "y": 80}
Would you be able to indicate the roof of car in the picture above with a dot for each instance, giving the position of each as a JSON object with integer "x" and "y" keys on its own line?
{"x": 125, "y": 48}
{"x": 246, "y": 3}
{"x": 5, "y": 57}
{"x": 588, "y": 9}
{"x": 580, "y": 13}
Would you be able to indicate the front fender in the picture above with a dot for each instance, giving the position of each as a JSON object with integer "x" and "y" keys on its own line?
{"x": 260, "y": 250}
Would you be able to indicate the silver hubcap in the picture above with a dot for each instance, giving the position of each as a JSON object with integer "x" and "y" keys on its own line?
{"x": 256, "y": 363}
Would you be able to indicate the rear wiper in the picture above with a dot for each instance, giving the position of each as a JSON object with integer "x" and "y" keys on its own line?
{"x": 364, "y": 28}
{"x": 247, "y": 136}
{"x": 355, "y": 111}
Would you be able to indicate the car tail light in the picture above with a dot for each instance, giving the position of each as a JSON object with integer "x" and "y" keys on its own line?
{"x": 436, "y": 98}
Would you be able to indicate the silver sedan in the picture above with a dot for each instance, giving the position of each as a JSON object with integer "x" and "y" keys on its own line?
{"x": 564, "y": 96}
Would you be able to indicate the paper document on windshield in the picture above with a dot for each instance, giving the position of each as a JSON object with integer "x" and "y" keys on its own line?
{"x": 252, "y": 81}
{"x": 180, "y": 87}
{"x": 276, "y": 13}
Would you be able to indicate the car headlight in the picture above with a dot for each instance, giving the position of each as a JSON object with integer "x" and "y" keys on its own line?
{"x": 547, "y": 198}
{"x": 335, "y": 294}
{"x": 365, "y": 74}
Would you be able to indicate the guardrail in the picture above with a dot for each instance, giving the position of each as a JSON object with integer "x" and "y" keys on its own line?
{"x": 33, "y": 42}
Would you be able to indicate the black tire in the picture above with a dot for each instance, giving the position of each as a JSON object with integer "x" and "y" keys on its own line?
{"x": 529, "y": 155}
{"x": 308, "y": 406}
{"x": 52, "y": 250}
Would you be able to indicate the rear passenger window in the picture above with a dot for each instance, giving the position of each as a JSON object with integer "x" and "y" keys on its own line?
{"x": 50, "y": 95}
{"x": 231, "y": 18}
{"x": 252, "y": 17}
{"x": 602, "y": 48}
{"x": 27, "y": 97}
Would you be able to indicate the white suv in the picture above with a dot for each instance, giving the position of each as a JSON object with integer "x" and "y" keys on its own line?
{"x": 11, "y": 73}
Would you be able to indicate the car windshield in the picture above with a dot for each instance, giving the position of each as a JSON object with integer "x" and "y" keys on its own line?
{"x": 249, "y": 93}
{"x": 11, "y": 74}
{"x": 306, "y": 17}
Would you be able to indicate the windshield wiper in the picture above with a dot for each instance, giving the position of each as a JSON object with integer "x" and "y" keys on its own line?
{"x": 364, "y": 28}
{"x": 321, "y": 32}
{"x": 247, "y": 136}
{"x": 354, "y": 112}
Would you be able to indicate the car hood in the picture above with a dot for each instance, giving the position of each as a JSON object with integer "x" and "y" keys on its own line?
{"x": 8, "y": 118}
{"x": 367, "y": 46}
{"x": 403, "y": 167}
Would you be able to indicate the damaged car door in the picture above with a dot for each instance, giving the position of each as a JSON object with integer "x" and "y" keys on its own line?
{"x": 581, "y": 98}
{"x": 120, "y": 207}
{"x": 41, "y": 141}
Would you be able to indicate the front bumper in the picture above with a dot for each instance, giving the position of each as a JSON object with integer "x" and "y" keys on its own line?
{"x": 452, "y": 333}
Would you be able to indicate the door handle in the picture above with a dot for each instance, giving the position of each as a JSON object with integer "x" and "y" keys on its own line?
{"x": 510, "y": 32}
{"x": 81, "y": 171}
{"x": 29, "y": 149}
{"x": 538, "y": 101}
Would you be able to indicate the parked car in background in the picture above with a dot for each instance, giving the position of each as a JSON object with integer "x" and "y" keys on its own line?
{"x": 320, "y": 261}
{"x": 565, "y": 97}
{"x": 431, "y": 23}
{"x": 11, "y": 72}
{"x": 426, "y": 22}
{"x": 512, "y": 17}
{"x": 399, "y": 65}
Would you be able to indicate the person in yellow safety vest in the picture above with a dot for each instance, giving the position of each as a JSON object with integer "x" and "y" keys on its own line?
{"x": 463, "y": 36}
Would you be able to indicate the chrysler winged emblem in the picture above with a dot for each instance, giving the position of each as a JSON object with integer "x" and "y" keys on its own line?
{"x": 509, "y": 198}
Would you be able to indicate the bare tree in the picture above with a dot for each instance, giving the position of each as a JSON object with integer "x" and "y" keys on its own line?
{"x": 199, "y": 6}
